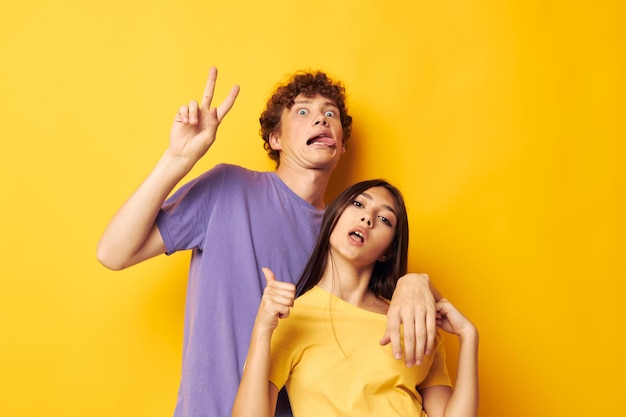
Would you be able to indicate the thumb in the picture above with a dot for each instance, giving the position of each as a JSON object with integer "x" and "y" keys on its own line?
{"x": 442, "y": 306}
{"x": 386, "y": 339}
{"x": 269, "y": 276}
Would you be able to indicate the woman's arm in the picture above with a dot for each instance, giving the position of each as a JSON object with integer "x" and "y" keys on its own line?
{"x": 257, "y": 396}
{"x": 462, "y": 401}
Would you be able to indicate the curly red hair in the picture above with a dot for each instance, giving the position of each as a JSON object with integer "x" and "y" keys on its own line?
{"x": 308, "y": 84}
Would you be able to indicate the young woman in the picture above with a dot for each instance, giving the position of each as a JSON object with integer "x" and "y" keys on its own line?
{"x": 326, "y": 348}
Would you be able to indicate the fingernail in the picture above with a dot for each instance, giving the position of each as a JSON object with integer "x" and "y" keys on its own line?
{"x": 398, "y": 356}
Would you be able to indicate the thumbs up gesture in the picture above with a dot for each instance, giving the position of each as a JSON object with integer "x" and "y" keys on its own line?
{"x": 276, "y": 302}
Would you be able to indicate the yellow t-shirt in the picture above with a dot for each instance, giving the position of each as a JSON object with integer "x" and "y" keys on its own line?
{"x": 327, "y": 353}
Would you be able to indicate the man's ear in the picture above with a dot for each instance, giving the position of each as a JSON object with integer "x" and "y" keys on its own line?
{"x": 274, "y": 141}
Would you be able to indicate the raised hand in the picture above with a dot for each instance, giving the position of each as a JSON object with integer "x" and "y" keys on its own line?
{"x": 195, "y": 126}
{"x": 132, "y": 235}
{"x": 276, "y": 302}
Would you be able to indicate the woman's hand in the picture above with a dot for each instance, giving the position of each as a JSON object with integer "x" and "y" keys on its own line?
{"x": 452, "y": 321}
{"x": 276, "y": 302}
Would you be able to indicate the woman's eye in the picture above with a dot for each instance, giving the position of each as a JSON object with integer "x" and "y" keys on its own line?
{"x": 385, "y": 220}
{"x": 329, "y": 113}
{"x": 357, "y": 203}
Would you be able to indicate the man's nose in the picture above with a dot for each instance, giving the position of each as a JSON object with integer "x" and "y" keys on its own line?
{"x": 321, "y": 120}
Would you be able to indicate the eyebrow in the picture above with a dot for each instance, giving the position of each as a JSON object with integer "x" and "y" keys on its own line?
{"x": 305, "y": 101}
{"x": 369, "y": 197}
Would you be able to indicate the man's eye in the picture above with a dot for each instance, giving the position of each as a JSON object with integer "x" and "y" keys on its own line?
{"x": 302, "y": 111}
{"x": 329, "y": 113}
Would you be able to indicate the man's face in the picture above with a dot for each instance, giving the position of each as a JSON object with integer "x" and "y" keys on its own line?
{"x": 310, "y": 134}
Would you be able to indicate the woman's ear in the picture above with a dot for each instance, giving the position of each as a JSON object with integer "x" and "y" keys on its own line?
{"x": 384, "y": 257}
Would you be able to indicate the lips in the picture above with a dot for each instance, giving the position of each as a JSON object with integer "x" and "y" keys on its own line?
{"x": 322, "y": 139}
{"x": 358, "y": 236}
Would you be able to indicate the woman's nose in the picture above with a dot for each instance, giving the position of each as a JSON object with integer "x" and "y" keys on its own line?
{"x": 369, "y": 222}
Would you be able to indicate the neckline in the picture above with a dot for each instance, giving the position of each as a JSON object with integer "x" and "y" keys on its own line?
{"x": 301, "y": 200}
{"x": 346, "y": 304}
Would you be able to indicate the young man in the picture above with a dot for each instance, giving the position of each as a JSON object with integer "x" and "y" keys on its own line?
{"x": 237, "y": 221}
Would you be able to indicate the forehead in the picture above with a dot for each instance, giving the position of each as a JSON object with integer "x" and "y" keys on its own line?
{"x": 317, "y": 99}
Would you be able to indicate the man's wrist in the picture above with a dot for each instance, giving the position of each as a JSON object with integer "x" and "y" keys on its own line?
{"x": 419, "y": 276}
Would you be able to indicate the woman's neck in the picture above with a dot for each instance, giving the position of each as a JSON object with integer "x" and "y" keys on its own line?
{"x": 351, "y": 285}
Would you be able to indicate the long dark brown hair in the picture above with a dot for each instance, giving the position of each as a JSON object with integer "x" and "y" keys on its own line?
{"x": 385, "y": 273}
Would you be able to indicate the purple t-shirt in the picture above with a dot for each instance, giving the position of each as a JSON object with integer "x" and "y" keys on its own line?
{"x": 235, "y": 221}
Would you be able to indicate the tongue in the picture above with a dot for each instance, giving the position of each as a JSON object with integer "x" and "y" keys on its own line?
{"x": 357, "y": 237}
{"x": 323, "y": 140}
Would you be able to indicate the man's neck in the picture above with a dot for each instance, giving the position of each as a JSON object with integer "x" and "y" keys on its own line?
{"x": 308, "y": 184}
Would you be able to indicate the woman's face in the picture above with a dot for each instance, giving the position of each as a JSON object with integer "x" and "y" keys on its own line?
{"x": 366, "y": 228}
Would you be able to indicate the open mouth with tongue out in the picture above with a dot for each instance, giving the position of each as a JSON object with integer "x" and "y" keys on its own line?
{"x": 322, "y": 139}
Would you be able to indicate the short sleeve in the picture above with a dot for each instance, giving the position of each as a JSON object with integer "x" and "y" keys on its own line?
{"x": 438, "y": 373}
{"x": 183, "y": 218}
{"x": 282, "y": 352}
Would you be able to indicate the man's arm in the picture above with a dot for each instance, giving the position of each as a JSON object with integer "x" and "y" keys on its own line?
{"x": 412, "y": 308}
{"x": 132, "y": 235}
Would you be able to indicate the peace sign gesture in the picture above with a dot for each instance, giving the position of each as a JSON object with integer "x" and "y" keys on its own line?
{"x": 195, "y": 126}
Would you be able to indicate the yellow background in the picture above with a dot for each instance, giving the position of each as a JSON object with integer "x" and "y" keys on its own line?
{"x": 502, "y": 122}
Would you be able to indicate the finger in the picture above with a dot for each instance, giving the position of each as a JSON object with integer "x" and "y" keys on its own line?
{"x": 193, "y": 112}
{"x": 183, "y": 114}
{"x": 442, "y": 306}
{"x": 421, "y": 341}
{"x": 228, "y": 102}
{"x": 280, "y": 289}
{"x": 269, "y": 276}
{"x": 280, "y": 292}
{"x": 288, "y": 292}
{"x": 283, "y": 311}
{"x": 393, "y": 329}
{"x": 274, "y": 308}
{"x": 412, "y": 338}
{"x": 283, "y": 300}
{"x": 386, "y": 339}
{"x": 431, "y": 330}
{"x": 415, "y": 347}
{"x": 207, "y": 96}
